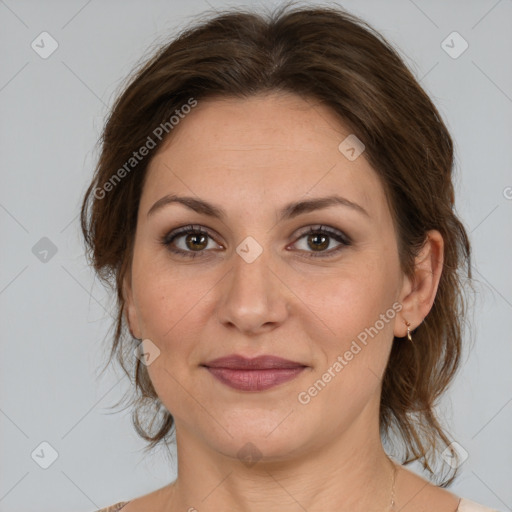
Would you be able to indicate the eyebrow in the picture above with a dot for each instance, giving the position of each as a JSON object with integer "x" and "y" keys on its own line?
{"x": 289, "y": 211}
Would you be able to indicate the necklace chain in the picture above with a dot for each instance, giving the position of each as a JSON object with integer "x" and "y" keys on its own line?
{"x": 393, "y": 497}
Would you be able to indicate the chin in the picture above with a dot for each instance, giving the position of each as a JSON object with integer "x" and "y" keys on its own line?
{"x": 261, "y": 440}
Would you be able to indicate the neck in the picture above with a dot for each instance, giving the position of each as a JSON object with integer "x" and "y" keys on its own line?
{"x": 351, "y": 473}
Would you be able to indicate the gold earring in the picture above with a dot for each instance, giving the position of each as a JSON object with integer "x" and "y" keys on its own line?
{"x": 409, "y": 337}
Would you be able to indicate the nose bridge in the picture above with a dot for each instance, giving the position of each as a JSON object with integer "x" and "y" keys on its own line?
{"x": 252, "y": 295}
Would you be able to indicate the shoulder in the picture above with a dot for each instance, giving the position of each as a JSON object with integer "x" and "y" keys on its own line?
{"x": 154, "y": 501}
{"x": 471, "y": 506}
{"x": 415, "y": 494}
{"x": 420, "y": 495}
{"x": 114, "y": 508}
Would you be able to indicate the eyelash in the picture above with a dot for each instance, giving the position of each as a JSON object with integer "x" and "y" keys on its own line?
{"x": 332, "y": 233}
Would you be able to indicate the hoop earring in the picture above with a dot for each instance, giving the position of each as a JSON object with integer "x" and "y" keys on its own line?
{"x": 409, "y": 337}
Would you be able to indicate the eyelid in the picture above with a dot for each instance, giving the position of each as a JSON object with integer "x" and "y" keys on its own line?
{"x": 339, "y": 236}
{"x": 182, "y": 230}
{"x": 315, "y": 228}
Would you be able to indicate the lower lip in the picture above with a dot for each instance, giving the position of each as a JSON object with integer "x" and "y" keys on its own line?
{"x": 254, "y": 380}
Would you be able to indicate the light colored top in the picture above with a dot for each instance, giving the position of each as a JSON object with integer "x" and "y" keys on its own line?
{"x": 464, "y": 506}
{"x": 114, "y": 508}
{"x": 471, "y": 506}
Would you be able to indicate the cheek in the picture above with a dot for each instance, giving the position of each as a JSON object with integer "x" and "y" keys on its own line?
{"x": 346, "y": 302}
{"x": 356, "y": 314}
{"x": 167, "y": 295}
{"x": 168, "y": 306}
{"x": 174, "y": 307}
{"x": 171, "y": 318}
{"x": 354, "y": 311}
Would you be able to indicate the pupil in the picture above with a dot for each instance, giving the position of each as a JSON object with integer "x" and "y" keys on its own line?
{"x": 324, "y": 244}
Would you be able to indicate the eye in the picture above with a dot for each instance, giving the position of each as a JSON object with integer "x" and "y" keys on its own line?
{"x": 192, "y": 241}
{"x": 188, "y": 241}
{"x": 319, "y": 239}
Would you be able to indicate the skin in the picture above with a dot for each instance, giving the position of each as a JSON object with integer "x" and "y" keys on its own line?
{"x": 251, "y": 157}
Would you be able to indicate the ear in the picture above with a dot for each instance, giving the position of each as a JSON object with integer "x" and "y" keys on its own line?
{"x": 418, "y": 293}
{"x": 129, "y": 309}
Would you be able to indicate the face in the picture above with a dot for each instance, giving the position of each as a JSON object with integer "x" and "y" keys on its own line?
{"x": 316, "y": 284}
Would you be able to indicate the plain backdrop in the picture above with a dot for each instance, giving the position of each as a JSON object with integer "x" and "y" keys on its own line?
{"x": 55, "y": 314}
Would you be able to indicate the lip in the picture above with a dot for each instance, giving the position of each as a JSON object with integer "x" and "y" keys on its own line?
{"x": 265, "y": 362}
{"x": 253, "y": 374}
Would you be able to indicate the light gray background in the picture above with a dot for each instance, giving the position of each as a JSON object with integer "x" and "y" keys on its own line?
{"x": 54, "y": 314}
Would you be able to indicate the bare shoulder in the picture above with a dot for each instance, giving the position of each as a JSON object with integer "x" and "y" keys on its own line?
{"x": 155, "y": 501}
{"x": 415, "y": 494}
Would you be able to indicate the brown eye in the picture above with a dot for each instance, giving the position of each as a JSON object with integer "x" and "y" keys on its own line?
{"x": 318, "y": 242}
{"x": 189, "y": 241}
{"x": 319, "y": 238}
{"x": 196, "y": 241}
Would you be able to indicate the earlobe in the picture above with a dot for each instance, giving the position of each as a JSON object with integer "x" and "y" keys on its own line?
{"x": 419, "y": 292}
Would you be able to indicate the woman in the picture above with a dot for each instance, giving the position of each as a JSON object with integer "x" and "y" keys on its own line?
{"x": 274, "y": 207}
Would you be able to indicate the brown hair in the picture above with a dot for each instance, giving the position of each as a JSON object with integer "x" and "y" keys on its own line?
{"x": 333, "y": 57}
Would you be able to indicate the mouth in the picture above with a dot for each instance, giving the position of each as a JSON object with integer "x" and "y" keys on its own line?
{"x": 253, "y": 374}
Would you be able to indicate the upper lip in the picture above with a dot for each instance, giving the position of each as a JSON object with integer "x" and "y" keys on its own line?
{"x": 265, "y": 362}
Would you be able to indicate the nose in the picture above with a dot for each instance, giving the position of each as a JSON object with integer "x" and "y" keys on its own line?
{"x": 253, "y": 299}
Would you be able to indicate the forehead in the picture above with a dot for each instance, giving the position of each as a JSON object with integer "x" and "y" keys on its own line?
{"x": 266, "y": 148}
